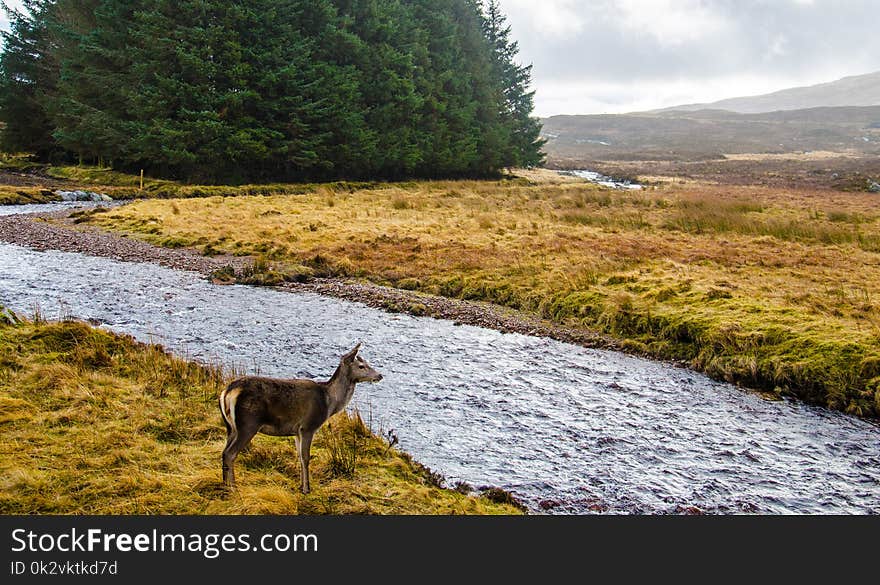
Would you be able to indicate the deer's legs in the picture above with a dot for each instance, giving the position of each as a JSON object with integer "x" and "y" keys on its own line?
{"x": 230, "y": 438}
{"x": 305, "y": 447}
{"x": 235, "y": 442}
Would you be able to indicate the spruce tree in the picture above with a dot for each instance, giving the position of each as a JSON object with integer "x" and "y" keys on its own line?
{"x": 519, "y": 103}
{"x": 229, "y": 91}
{"x": 246, "y": 90}
{"x": 87, "y": 106}
{"x": 28, "y": 73}
{"x": 447, "y": 127}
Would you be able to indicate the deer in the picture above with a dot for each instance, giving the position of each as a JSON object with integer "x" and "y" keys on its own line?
{"x": 284, "y": 408}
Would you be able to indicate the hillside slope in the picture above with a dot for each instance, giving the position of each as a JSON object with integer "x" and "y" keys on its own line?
{"x": 708, "y": 134}
{"x": 857, "y": 90}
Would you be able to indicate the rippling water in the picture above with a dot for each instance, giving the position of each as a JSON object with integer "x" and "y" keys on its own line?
{"x": 47, "y": 207}
{"x": 605, "y": 181}
{"x": 580, "y": 430}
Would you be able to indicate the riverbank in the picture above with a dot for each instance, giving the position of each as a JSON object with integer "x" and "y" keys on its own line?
{"x": 25, "y": 183}
{"x": 113, "y": 426}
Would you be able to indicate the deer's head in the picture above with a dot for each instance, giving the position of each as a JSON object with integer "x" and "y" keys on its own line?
{"x": 357, "y": 367}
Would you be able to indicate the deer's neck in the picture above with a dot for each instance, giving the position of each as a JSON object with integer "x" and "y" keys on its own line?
{"x": 340, "y": 389}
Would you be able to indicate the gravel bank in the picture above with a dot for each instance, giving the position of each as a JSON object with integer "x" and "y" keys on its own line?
{"x": 56, "y": 231}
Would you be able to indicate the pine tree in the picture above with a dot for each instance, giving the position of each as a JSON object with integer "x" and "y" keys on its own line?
{"x": 525, "y": 142}
{"x": 88, "y": 39}
{"x": 27, "y": 74}
{"x": 211, "y": 90}
{"x": 447, "y": 125}
{"x": 207, "y": 91}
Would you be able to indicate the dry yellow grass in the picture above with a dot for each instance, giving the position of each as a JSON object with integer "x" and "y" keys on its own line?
{"x": 93, "y": 423}
{"x": 775, "y": 289}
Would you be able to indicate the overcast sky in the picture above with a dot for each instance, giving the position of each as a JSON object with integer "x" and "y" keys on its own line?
{"x": 598, "y": 56}
{"x": 4, "y": 22}
{"x": 611, "y": 56}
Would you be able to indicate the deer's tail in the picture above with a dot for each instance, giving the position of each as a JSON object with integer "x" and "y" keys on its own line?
{"x": 228, "y": 398}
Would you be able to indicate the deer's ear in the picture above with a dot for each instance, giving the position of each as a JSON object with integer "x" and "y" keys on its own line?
{"x": 350, "y": 355}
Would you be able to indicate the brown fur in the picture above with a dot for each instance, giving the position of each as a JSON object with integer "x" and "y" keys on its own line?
{"x": 286, "y": 408}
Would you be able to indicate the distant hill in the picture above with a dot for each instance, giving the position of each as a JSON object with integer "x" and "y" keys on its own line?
{"x": 706, "y": 134}
{"x": 858, "y": 90}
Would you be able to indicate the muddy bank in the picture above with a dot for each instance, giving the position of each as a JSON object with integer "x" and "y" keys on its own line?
{"x": 57, "y": 231}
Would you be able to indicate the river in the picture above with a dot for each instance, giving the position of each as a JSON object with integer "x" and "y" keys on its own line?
{"x": 49, "y": 207}
{"x": 567, "y": 429}
{"x": 603, "y": 180}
